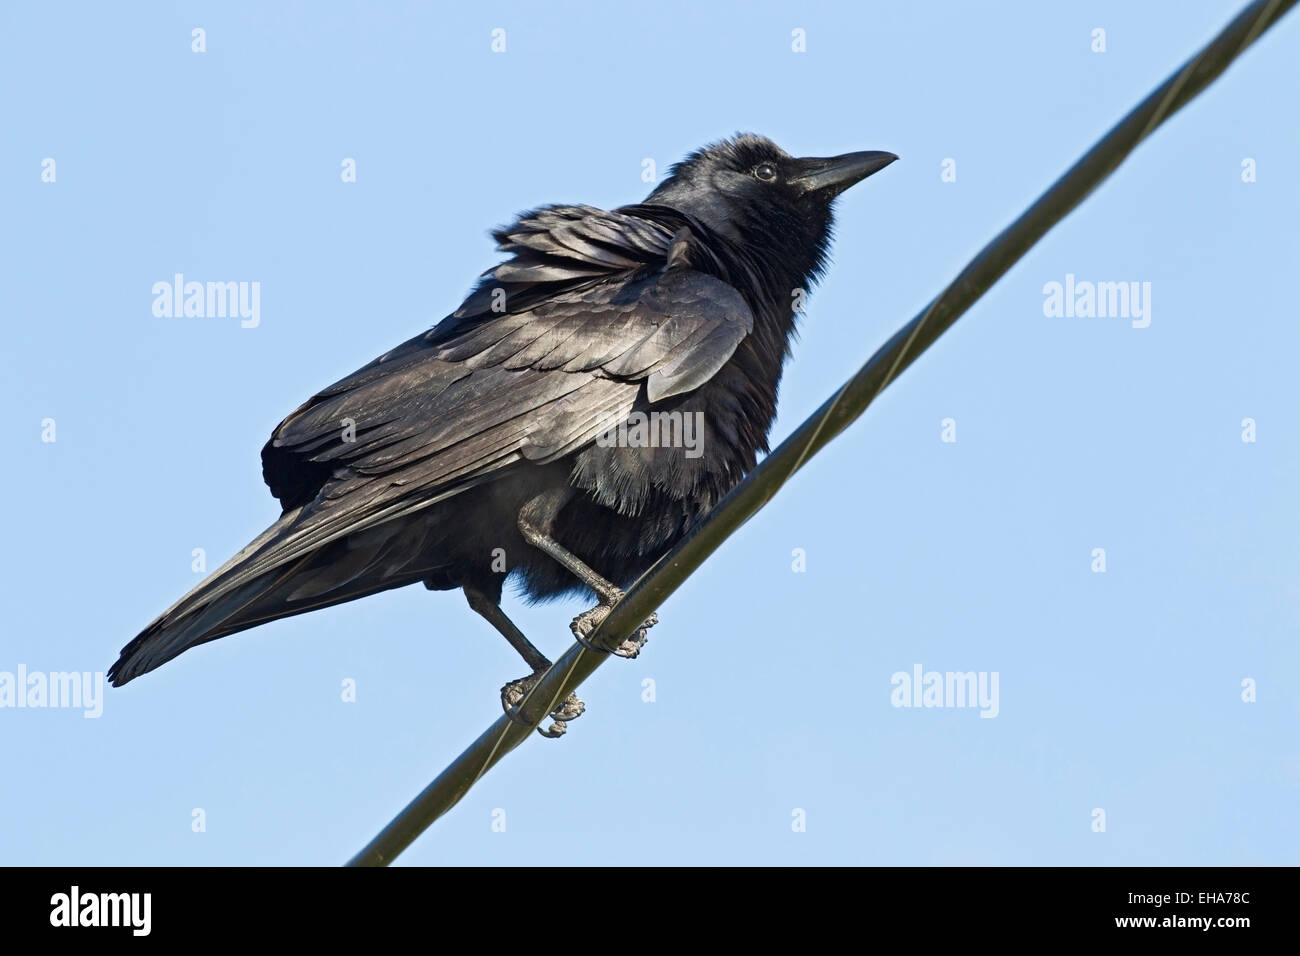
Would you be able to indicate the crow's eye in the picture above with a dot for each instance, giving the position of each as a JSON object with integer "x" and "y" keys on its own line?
{"x": 766, "y": 172}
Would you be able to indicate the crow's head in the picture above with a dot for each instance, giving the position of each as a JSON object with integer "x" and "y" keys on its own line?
{"x": 754, "y": 192}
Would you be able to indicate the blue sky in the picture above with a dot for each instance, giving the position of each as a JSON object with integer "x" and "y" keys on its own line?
{"x": 1120, "y": 691}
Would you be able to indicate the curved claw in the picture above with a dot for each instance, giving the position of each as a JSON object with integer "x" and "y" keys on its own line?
{"x": 553, "y": 732}
{"x": 585, "y": 623}
{"x": 631, "y": 648}
{"x": 571, "y": 708}
{"x": 513, "y": 694}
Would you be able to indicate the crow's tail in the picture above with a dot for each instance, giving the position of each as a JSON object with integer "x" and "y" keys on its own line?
{"x": 231, "y": 599}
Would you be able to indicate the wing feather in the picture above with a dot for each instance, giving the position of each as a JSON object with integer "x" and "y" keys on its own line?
{"x": 597, "y": 318}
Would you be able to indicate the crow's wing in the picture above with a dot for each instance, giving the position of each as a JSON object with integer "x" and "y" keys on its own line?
{"x": 448, "y": 411}
{"x": 482, "y": 392}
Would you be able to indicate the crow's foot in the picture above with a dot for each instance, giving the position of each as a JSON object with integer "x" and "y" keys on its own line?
{"x": 586, "y": 623}
{"x": 513, "y": 694}
{"x": 631, "y": 648}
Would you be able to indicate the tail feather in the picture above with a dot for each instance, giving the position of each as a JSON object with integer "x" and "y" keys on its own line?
{"x": 229, "y": 600}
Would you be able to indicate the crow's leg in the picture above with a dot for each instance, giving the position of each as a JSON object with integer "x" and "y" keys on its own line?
{"x": 512, "y": 695}
{"x": 536, "y": 521}
{"x": 491, "y": 611}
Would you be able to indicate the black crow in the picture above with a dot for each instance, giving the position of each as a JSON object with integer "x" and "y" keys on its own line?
{"x": 489, "y": 446}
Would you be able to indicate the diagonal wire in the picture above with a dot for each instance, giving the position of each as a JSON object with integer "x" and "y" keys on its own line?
{"x": 835, "y": 415}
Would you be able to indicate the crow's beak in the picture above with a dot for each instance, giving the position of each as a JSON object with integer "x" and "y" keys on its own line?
{"x": 830, "y": 177}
